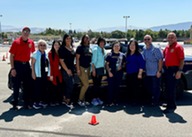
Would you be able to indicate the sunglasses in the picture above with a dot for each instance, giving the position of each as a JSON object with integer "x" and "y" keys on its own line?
{"x": 26, "y": 31}
{"x": 146, "y": 39}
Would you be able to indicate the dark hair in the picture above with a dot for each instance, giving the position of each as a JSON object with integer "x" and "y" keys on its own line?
{"x": 136, "y": 47}
{"x": 82, "y": 39}
{"x": 64, "y": 38}
{"x": 53, "y": 49}
{"x": 116, "y": 42}
{"x": 100, "y": 39}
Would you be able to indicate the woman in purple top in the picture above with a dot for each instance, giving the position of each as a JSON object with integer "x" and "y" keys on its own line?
{"x": 135, "y": 65}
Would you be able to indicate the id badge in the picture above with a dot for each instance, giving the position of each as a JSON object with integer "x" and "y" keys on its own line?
{"x": 46, "y": 69}
{"x": 85, "y": 70}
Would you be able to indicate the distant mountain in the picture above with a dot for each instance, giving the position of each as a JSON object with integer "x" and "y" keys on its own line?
{"x": 178, "y": 26}
{"x": 8, "y": 28}
{"x": 121, "y": 28}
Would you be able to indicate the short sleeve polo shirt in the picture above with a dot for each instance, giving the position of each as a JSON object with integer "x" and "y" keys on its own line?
{"x": 173, "y": 55}
{"x": 22, "y": 49}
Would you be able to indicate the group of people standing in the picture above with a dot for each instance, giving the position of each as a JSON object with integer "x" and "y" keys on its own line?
{"x": 53, "y": 73}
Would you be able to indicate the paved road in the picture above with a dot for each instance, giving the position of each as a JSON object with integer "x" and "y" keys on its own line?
{"x": 117, "y": 121}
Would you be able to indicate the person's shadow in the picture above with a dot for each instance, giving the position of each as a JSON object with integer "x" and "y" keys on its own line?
{"x": 55, "y": 111}
{"x": 152, "y": 111}
{"x": 175, "y": 118}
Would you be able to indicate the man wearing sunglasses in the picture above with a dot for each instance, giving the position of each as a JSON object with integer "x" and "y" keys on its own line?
{"x": 153, "y": 67}
{"x": 20, "y": 52}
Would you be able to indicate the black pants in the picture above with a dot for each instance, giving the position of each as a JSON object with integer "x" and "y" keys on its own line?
{"x": 40, "y": 90}
{"x": 96, "y": 85}
{"x": 133, "y": 86}
{"x": 23, "y": 76}
{"x": 55, "y": 92}
{"x": 170, "y": 84}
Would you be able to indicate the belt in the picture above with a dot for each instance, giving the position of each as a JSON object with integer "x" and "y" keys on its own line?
{"x": 22, "y": 62}
{"x": 171, "y": 67}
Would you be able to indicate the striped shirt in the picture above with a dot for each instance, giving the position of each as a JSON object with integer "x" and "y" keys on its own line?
{"x": 152, "y": 56}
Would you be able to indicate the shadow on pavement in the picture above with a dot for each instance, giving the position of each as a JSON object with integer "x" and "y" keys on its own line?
{"x": 10, "y": 114}
{"x": 146, "y": 110}
{"x": 175, "y": 118}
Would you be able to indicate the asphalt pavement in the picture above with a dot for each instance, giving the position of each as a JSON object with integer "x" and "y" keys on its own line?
{"x": 123, "y": 120}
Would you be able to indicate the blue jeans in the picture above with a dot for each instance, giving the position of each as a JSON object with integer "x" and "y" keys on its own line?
{"x": 113, "y": 86}
{"x": 153, "y": 86}
{"x": 68, "y": 84}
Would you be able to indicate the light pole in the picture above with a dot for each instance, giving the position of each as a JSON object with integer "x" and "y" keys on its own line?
{"x": 126, "y": 17}
{"x": 70, "y": 30}
{"x": 1, "y": 38}
{"x": 191, "y": 33}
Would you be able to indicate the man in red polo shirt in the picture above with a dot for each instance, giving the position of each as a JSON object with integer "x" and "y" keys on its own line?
{"x": 20, "y": 53}
{"x": 174, "y": 62}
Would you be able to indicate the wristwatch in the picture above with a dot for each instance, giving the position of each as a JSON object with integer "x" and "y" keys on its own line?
{"x": 160, "y": 71}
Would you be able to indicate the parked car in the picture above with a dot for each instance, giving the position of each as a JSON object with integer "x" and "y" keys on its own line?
{"x": 185, "y": 83}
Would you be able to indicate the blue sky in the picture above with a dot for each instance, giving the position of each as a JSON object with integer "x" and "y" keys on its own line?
{"x": 93, "y": 14}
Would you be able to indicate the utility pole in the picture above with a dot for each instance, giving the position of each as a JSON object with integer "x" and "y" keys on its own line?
{"x": 1, "y": 36}
{"x": 126, "y": 17}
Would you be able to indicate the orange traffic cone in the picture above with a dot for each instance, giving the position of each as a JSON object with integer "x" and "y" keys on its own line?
{"x": 93, "y": 120}
{"x": 3, "y": 58}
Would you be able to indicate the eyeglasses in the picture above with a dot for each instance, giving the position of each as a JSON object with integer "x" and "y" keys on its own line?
{"x": 26, "y": 31}
{"x": 147, "y": 39}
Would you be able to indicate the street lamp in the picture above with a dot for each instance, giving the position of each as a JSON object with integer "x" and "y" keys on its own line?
{"x": 126, "y": 17}
{"x": 70, "y": 30}
{"x": 1, "y": 38}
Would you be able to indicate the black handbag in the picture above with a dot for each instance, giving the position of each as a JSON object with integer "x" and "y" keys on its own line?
{"x": 10, "y": 81}
{"x": 100, "y": 71}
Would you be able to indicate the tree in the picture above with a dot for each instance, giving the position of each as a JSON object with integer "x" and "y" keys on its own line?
{"x": 117, "y": 34}
{"x": 162, "y": 34}
{"x": 139, "y": 35}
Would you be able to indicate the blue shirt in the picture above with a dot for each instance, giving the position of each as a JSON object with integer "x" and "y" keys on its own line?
{"x": 152, "y": 56}
{"x": 134, "y": 63}
{"x": 37, "y": 56}
{"x": 98, "y": 58}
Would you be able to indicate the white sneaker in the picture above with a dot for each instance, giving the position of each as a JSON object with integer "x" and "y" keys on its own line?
{"x": 86, "y": 103}
{"x": 44, "y": 105}
{"x": 36, "y": 105}
{"x": 95, "y": 102}
{"x": 99, "y": 101}
{"x": 70, "y": 105}
{"x": 81, "y": 103}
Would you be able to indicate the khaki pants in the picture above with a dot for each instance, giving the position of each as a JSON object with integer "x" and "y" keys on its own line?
{"x": 84, "y": 77}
